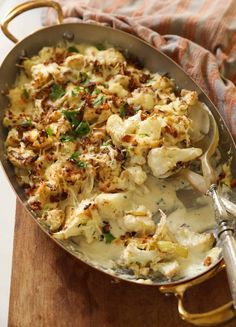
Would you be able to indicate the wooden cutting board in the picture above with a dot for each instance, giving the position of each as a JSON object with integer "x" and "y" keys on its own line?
{"x": 51, "y": 288}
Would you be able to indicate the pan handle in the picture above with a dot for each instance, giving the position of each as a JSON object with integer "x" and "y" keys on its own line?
{"x": 16, "y": 11}
{"x": 214, "y": 317}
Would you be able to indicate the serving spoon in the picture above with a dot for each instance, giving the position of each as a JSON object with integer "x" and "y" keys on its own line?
{"x": 208, "y": 142}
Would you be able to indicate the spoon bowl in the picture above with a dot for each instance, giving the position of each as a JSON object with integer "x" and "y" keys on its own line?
{"x": 205, "y": 135}
{"x": 208, "y": 143}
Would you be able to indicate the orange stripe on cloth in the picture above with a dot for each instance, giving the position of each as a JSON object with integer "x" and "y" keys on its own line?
{"x": 115, "y": 6}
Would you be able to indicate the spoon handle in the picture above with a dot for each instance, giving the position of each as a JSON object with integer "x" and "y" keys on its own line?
{"x": 228, "y": 242}
{"x": 229, "y": 253}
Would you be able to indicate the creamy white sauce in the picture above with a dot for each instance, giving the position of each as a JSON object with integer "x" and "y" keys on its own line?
{"x": 157, "y": 194}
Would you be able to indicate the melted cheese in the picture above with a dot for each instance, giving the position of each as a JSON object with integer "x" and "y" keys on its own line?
{"x": 93, "y": 138}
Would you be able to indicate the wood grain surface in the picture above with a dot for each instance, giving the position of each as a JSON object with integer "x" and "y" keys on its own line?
{"x": 51, "y": 288}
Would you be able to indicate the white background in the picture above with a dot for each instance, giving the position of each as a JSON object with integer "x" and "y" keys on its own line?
{"x": 22, "y": 26}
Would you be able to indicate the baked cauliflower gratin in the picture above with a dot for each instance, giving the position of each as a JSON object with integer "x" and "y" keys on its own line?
{"x": 94, "y": 139}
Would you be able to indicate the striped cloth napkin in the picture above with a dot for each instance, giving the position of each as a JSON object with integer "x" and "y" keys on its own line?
{"x": 200, "y": 35}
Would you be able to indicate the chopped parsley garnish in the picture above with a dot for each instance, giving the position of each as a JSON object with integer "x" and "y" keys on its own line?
{"x": 79, "y": 163}
{"x": 56, "y": 92}
{"x": 82, "y": 129}
{"x": 67, "y": 138}
{"x": 27, "y": 123}
{"x": 25, "y": 94}
{"x": 79, "y": 89}
{"x": 84, "y": 77}
{"x": 122, "y": 110}
{"x": 75, "y": 155}
{"x": 49, "y": 131}
{"x": 73, "y": 49}
{"x": 100, "y": 46}
{"x": 106, "y": 143}
{"x": 96, "y": 91}
{"x": 72, "y": 116}
{"x": 99, "y": 101}
{"x": 108, "y": 237}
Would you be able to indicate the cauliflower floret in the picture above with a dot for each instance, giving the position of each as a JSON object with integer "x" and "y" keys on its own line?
{"x": 53, "y": 219}
{"x": 112, "y": 205}
{"x": 115, "y": 128}
{"x": 133, "y": 131}
{"x": 21, "y": 157}
{"x": 131, "y": 124}
{"x": 169, "y": 269}
{"x": 151, "y": 127}
{"x": 13, "y": 138}
{"x": 123, "y": 80}
{"x": 139, "y": 220}
{"x": 109, "y": 57}
{"x": 163, "y": 161}
{"x": 85, "y": 222}
{"x": 134, "y": 254}
{"x": 161, "y": 83}
{"x": 137, "y": 174}
{"x": 117, "y": 89}
{"x": 42, "y": 74}
{"x": 109, "y": 181}
{"x": 37, "y": 139}
{"x": 176, "y": 130}
{"x": 162, "y": 231}
{"x": 145, "y": 98}
{"x": 45, "y": 54}
{"x": 73, "y": 178}
{"x": 195, "y": 241}
{"x": 190, "y": 97}
{"x": 75, "y": 61}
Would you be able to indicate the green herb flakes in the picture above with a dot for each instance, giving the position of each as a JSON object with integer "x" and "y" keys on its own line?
{"x": 122, "y": 111}
{"x": 99, "y": 101}
{"x": 79, "y": 163}
{"x": 64, "y": 138}
{"x": 73, "y": 49}
{"x": 82, "y": 129}
{"x": 106, "y": 143}
{"x": 84, "y": 77}
{"x": 56, "y": 92}
{"x": 108, "y": 237}
{"x": 27, "y": 123}
{"x": 25, "y": 94}
{"x": 72, "y": 116}
{"x": 49, "y": 131}
{"x": 143, "y": 135}
{"x": 96, "y": 91}
{"x": 100, "y": 47}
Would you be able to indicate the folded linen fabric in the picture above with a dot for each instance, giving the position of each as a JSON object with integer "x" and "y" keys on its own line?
{"x": 200, "y": 35}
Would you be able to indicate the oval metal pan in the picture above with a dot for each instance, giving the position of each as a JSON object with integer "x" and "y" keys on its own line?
{"x": 154, "y": 60}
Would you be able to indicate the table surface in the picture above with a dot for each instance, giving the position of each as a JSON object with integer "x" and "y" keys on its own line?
{"x": 7, "y": 196}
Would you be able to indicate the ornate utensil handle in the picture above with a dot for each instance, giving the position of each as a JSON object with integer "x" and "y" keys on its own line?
{"x": 228, "y": 242}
